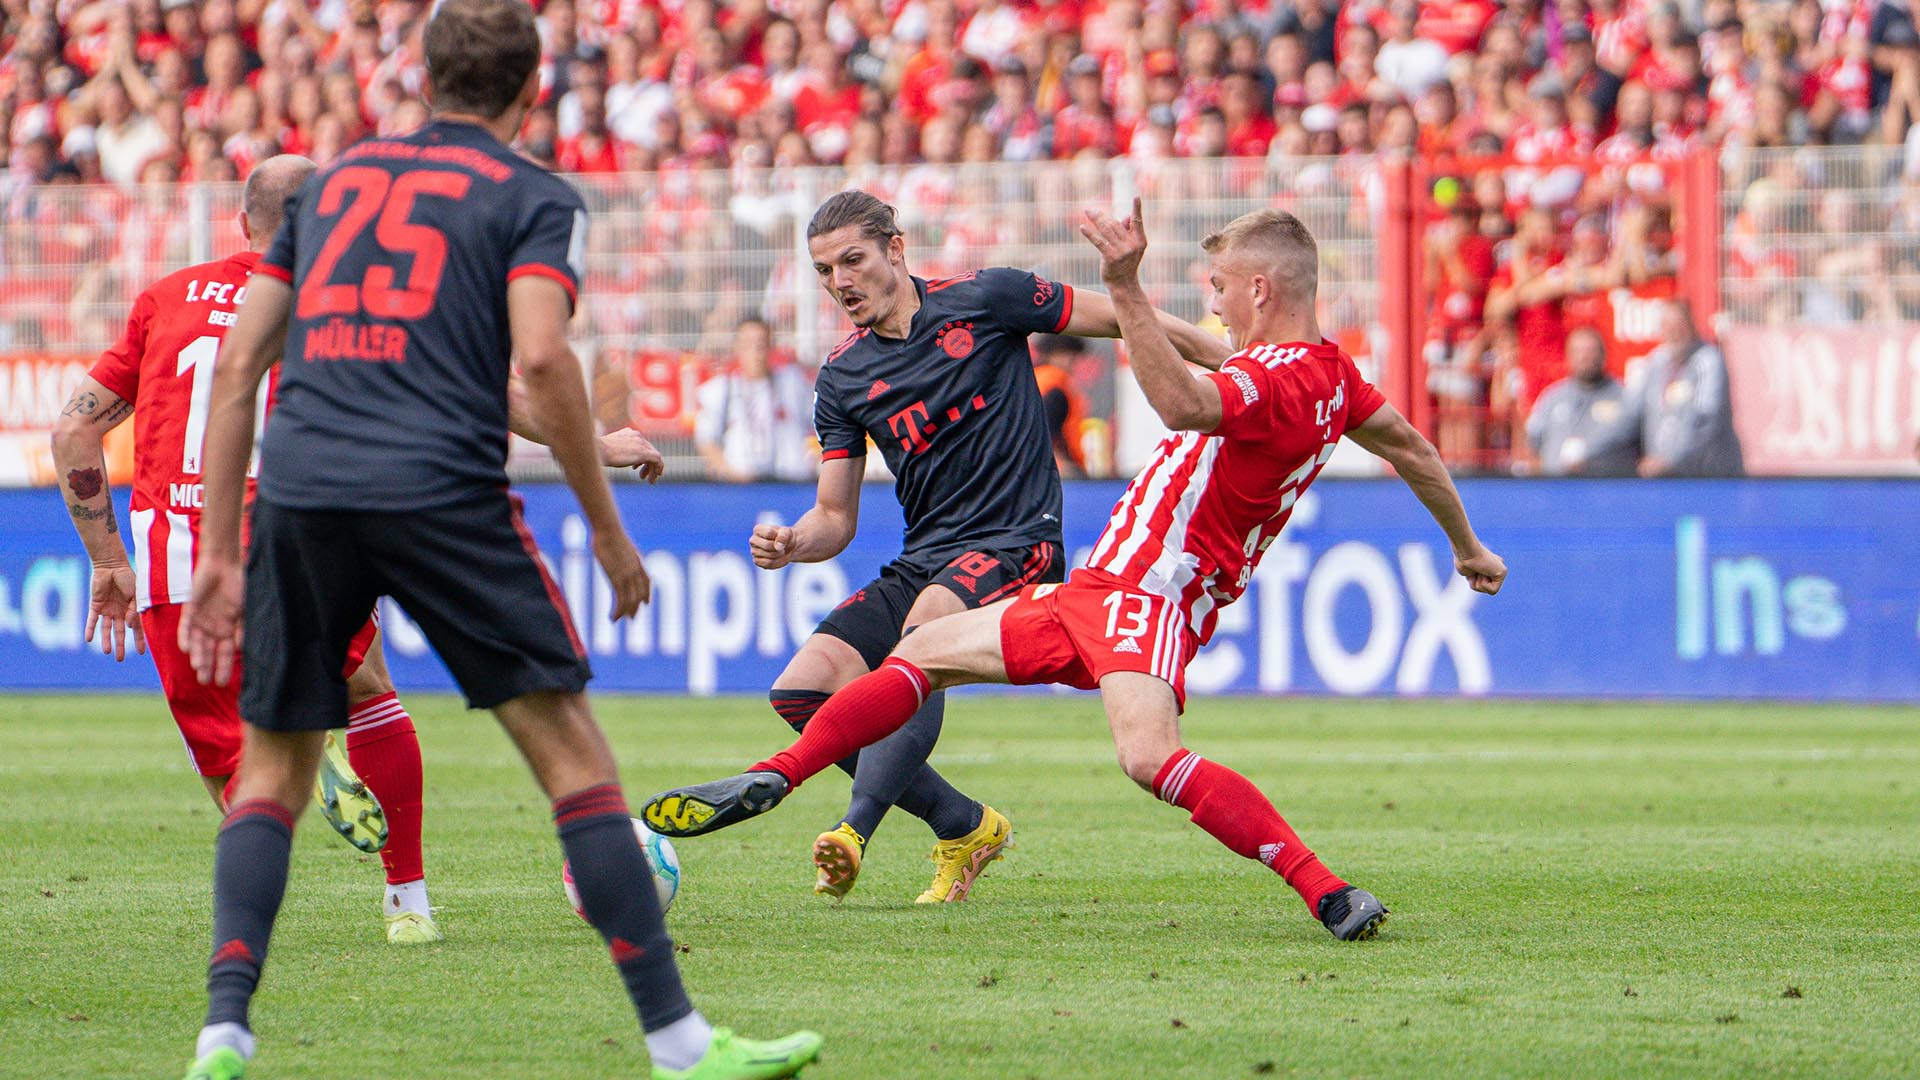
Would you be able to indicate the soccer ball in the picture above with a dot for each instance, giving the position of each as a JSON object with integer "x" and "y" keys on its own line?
{"x": 664, "y": 861}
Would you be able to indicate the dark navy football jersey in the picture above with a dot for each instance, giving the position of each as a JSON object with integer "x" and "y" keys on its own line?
{"x": 393, "y": 388}
{"x": 955, "y": 411}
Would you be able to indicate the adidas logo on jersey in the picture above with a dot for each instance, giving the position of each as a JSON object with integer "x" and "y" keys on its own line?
{"x": 1128, "y": 645}
{"x": 879, "y": 387}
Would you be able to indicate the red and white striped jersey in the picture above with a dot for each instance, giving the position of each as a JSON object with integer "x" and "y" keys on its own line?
{"x": 1193, "y": 525}
{"x": 163, "y": 366}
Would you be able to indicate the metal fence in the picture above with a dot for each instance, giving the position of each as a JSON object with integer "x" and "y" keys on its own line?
{"x": 1820, "y": 236}
{"x": 676, "y": 259}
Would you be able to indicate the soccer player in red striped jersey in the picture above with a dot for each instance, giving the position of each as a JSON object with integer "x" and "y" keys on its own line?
{"x": 161, "y": 373}
{"x": 408, "y": 277}
{"x": 1183, "y": 543}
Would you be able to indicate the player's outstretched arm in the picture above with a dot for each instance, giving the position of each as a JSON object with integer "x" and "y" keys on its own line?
{"x": 537, "y": 312}
{"x": 1184, "y": 402}
{"x": 210, "y": 627}
{"x": 622, "y": 449}
{"x": 1387, "y": 435}
{"x": 80, "y": 461}
{"x": 822, "y": 532}
{"x": 1095, "y": 315}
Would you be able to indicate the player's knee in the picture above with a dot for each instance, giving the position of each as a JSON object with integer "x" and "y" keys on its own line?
{"x": 796, "y": 706}
{"x": 369, "y": 681}
{"x": 1140, "y": 764}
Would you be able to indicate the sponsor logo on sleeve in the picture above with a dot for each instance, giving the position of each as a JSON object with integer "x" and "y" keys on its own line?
{"x": 1249, "y": 393}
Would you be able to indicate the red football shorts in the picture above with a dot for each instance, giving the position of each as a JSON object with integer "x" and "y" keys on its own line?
{"x": 209, "y": 716}
{"x": 1076, "y": 633}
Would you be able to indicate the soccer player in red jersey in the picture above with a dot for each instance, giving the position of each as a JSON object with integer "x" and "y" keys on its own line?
{"x": 408, "y": 276}
{"x": 161, "y": 372}
{"x": 1183, "y": 543}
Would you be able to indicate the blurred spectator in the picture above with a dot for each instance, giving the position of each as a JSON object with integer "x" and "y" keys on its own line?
{"x": 1059, "y": 78}
{"x": 1407, "y": 62}
{"x": 1682, "y": 405}
{"x": 1528, "y": 293}
{"x": 1562, "y": 125}
{"x": 1054, "y": 360}
{"x": 1581, "y": 425}
{"x": 753, "y": 420}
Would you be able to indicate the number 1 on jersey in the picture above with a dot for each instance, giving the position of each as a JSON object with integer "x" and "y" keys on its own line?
{"x": 198, "y": 357}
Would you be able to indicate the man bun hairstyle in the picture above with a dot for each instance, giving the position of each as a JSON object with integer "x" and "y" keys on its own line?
{"x": 479, "y": 54}
{"x": 876, "y": 219}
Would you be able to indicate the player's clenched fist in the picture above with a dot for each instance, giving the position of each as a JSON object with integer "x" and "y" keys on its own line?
{"x": 621, "y": 561}
{"x": 772, "y": 546}
{"x": 1484, "y": 571}
{"x": 1121, "y": 243}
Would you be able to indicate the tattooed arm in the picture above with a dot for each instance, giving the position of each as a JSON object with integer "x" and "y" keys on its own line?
{"x": 80, "y": 460}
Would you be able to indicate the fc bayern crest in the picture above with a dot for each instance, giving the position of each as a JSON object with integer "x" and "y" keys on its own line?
{"x": 956, "y": 339}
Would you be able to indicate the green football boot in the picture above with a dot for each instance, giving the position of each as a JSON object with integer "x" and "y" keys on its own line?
{"x": 730, "y": 1057}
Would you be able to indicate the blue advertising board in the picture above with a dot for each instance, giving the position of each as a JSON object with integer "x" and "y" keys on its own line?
{"x": 1619, "y": 589}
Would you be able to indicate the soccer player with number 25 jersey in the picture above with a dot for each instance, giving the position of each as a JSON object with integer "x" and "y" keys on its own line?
{"x": 161, "y": 373}
{"x": 407, "y": 277}
{"x": 1182, "y": 543}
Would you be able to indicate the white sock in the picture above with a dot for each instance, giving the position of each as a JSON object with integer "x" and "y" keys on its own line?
{"x": 215, "y": 1036}
{"x": 408, "y": 896}
{"x": 681, "y": 1044}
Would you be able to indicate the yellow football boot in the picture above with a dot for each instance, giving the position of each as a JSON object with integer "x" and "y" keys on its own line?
{"x": 412, "y": 928}
{"x": 958, "y": 862}
{"x": 346, "y": 802}
{"x": 836, "y": 855}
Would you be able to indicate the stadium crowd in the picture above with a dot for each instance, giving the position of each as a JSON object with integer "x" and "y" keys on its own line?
{"x": 120, "y": 90}
{"x": 127, "y": 96}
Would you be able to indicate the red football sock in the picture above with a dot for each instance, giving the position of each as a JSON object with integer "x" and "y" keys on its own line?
{"x": 861, "y": 713}
{"x": 1235, "y": 812}
{"x": 385, "y": 751}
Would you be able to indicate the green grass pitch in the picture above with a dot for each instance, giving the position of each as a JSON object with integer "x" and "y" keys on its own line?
{"x": 1577, "y": 890}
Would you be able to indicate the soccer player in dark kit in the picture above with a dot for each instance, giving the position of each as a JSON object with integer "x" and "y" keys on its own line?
{"x": 938, "y": 375}
{"x": 405, "y": 277}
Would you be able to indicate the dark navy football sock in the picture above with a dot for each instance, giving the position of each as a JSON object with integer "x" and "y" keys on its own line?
{"x": 249, "y": 880}
{"x": 894, "y": 772}
{"x": 797, "y": 707}
{"x": 616, "y": 892}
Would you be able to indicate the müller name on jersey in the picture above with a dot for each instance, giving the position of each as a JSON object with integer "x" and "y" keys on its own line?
{"x": 340, "y": 339}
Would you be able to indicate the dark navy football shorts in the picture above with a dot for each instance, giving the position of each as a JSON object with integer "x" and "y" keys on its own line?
{"x": 871, "y": 618}
{"x": 467, "y": 573}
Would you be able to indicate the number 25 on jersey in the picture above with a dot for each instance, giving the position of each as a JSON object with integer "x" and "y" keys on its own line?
{"x": 357, "y": 194}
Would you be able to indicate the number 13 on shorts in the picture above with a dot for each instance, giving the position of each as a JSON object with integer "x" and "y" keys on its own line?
{"x": 1126, "y": 614}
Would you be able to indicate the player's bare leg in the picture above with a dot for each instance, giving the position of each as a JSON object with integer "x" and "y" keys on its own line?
{"x": 250, "y": 879}
{"x": 573, "y": 764}
{"x": 953, "y": 651}
{"x": 217, "y": 788}
{"x": 1145, "y": 718}
{"x": 385, "y": 751}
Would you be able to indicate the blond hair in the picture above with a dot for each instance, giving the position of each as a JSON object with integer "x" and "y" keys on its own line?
{"x": 1275, "y": 243}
